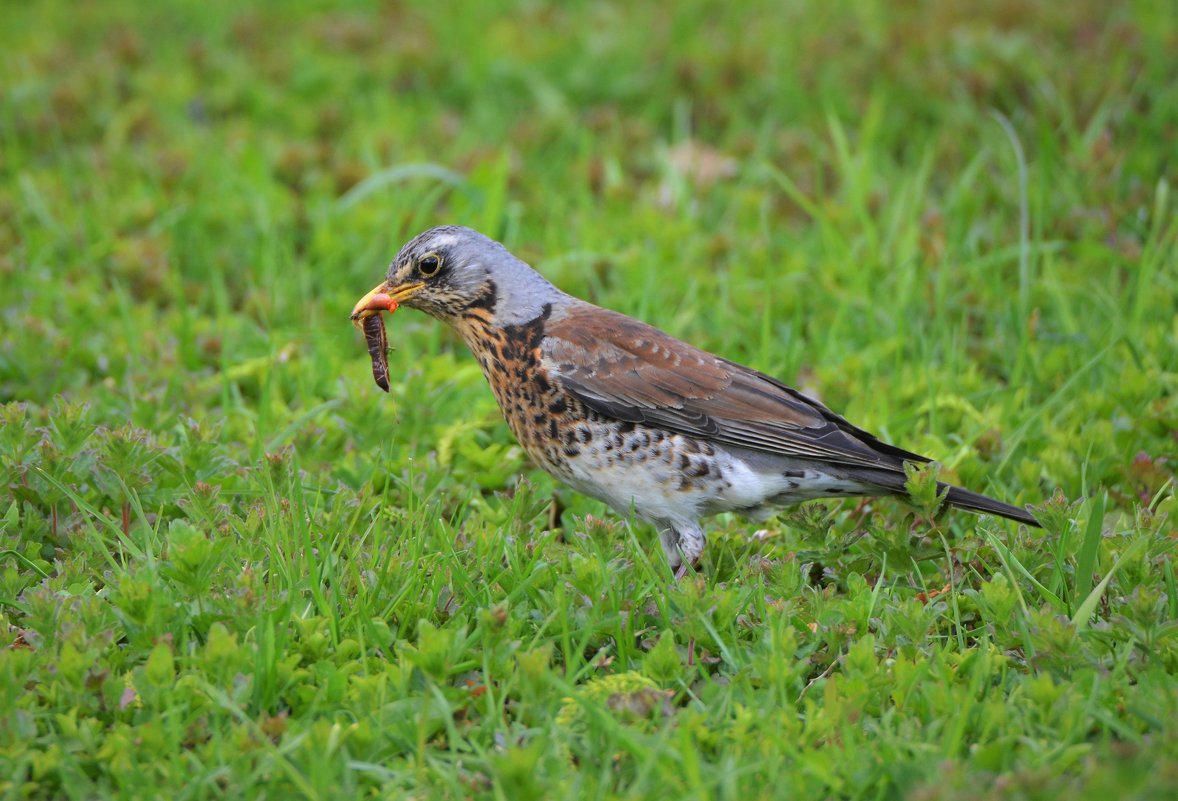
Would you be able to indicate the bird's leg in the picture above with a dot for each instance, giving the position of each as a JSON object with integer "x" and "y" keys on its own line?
{"x": 691, "y": 544}
{"x": 669, "y": 538}
{"x": 683, "y": 546}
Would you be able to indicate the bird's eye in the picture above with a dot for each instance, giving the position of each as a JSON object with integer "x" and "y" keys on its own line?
{"x": 429, "y": 264}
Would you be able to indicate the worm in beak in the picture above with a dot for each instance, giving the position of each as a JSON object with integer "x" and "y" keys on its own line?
{"x": 367, "y": 315}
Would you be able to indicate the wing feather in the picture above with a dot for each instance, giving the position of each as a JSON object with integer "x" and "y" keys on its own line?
{"x": 630, "y": 371}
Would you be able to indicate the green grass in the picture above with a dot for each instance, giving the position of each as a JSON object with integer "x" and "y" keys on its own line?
{"x": 230, "y": 567}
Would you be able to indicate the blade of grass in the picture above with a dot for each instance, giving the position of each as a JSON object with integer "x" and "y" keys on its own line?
{"x": 395, "y": 175}
{"x": 1086, "y": 560}
{"x": 94, "y": 514}
{"x": 23, "y": 561}
{"x": 1088, "y": 607}
{"x": 1012, "y": 563}
{"x": 1064, "y": 391}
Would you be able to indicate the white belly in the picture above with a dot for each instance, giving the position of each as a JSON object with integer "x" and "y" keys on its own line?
{"x": 673, "y": 478}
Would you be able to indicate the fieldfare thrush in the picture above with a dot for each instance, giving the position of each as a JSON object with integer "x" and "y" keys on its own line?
{"x": 628, "y": 414}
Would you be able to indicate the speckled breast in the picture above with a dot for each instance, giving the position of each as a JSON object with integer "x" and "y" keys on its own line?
{"x": 609, "y": 459}
{"x": 542, "y": 417}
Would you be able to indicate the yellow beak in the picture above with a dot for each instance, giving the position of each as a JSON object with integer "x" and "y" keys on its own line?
{"x": 381, "y": 300}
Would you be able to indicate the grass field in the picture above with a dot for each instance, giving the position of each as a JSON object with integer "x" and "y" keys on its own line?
{"x": 231, "y": 567}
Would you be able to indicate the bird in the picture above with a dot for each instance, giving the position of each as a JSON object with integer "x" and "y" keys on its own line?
{"x": 628, "y": 414}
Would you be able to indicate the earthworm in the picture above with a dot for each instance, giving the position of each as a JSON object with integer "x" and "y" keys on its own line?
{"x": 378, "y": 349}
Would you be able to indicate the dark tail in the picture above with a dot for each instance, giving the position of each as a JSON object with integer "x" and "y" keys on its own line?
{"x": 893, "y": 482}
{"x": 976, "y": 502}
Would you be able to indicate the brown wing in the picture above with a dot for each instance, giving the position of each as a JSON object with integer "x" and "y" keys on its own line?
{"x": 625, "y": 369}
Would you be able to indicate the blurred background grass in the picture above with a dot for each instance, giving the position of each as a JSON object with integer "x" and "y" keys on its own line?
{"x": 213, "y": 186}
{"x": 954, "y": 221}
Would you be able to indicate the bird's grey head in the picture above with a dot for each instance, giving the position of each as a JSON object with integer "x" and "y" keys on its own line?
{"x": 450, "y": 271}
